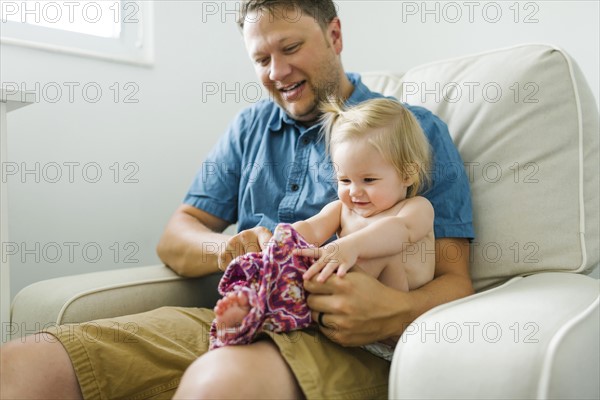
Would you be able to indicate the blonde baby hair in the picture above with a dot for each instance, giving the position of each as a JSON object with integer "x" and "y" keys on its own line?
{"x": 389, "y": 127}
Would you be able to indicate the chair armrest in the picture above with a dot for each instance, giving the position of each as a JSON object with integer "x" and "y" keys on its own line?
{"x": 106, "y": 294}
{"x": 533, "y": 337}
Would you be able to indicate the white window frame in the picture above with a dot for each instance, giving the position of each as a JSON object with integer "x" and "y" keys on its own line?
{"x": 134, "y": 46}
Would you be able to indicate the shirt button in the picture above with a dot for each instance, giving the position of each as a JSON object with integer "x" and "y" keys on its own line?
{"x": 305, "y": 141}
{"x": 295, "y": 187}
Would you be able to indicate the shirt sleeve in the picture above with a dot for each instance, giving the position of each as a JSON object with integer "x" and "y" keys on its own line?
{"x": 215, "y": 188}
{"x": 449, "y": 191}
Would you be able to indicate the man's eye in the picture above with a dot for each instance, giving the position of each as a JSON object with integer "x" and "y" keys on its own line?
{"x": 262, "y": 61}
{"x": 292, "y": 48}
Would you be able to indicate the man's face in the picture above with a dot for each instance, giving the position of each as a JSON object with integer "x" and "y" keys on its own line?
{"x": 295, "y": 59}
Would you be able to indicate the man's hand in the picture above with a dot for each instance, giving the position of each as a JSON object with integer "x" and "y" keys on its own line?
{"x": 358, "y": 309}
{"x": 250, "y": 240}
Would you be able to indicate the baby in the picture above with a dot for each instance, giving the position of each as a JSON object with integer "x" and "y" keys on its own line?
{"x": 381, "y": 158}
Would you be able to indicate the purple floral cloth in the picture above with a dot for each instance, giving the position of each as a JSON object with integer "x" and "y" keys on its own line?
{"x": 273, "y": 283}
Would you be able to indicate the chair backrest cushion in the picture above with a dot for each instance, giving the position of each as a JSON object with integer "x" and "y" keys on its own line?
{"x": 526, "y": 125}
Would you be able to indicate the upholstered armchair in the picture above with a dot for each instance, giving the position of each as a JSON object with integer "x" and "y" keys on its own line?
{"x": 526, "y": 125}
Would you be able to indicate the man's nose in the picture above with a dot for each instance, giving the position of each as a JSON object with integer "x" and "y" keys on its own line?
{"x": 280, "y": 69}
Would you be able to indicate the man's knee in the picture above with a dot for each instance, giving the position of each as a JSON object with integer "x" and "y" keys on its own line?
{"x": 256, "y": 370}
{"x": 37, "y": 362}
{"x": 215, "y": 374}
{"x": 36, "y": 346}
{"x": 30, "y": 353}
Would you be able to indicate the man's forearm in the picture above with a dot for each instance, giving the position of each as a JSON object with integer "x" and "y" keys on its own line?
{"x": 190, "y": 254}
{"x": 189, "y": 247}
{"x": 441, "y": 290}
{"x": 452, "y": 281}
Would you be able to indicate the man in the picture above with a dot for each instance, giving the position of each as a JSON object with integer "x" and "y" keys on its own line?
{"x": 295, "y": 47}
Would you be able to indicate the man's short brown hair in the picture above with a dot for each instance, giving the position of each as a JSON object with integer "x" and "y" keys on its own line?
{"x": 323, "y": 11}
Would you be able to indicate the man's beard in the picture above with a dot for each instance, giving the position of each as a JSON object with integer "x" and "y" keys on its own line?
{"x": 323, "y": 93}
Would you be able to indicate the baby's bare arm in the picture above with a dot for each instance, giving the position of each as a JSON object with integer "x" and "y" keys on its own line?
{"x": 384, "y": 237}
{"x": 317, "y": 229}
{"x": 389, "y": 236}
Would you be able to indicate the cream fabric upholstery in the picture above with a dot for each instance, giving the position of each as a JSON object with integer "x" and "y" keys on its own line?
{"x": 531, "y": 338}
{"x": 96, "y": 295}
{"x": 533, "y": 163}
{"x": 526, "y": 125}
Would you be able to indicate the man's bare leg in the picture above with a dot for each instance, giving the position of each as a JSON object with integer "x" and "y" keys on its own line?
{"x": 37, "y": 368}
{"x": 254, "y": 371}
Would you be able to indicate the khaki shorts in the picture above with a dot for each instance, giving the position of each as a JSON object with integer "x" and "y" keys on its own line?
{"x": 143, "y": 356}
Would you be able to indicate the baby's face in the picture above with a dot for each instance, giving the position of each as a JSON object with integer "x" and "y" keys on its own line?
{"x": 367, "y": 184}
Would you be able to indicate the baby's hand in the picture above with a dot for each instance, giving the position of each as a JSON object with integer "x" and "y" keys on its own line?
{"x": 331, "y": 257}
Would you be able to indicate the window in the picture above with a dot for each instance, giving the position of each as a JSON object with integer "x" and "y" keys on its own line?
{"x": 117, "y": 30}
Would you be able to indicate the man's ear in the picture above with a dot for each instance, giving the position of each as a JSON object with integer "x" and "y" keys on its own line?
{"x": 334, "y": 34}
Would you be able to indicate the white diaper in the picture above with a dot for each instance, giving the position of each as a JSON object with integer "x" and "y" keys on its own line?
{"x": 380, "y": 350}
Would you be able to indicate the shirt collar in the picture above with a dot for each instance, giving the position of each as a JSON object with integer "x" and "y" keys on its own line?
{"x": 359, "y": 94}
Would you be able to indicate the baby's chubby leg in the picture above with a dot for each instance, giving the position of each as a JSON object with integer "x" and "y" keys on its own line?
{"x": 394, "y": 276}
{"x": 390, "y": 271}
{"x": 230, "y": 311}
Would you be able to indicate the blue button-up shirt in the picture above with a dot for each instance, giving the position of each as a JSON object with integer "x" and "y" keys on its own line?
{"x": 268, "y": 168}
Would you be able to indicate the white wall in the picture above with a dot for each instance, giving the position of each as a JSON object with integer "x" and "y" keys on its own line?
{"x": 167, "y": 133}
{"x": 571, "y": 25}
